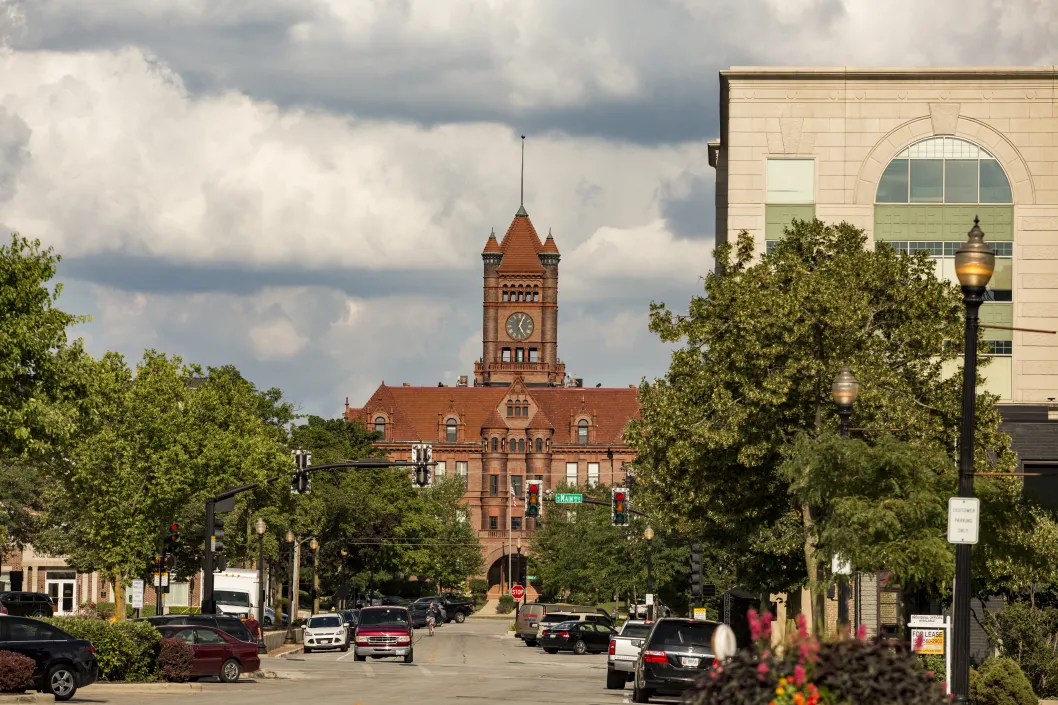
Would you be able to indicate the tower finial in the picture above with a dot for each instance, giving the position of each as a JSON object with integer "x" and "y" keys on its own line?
{"x": 521, "y": 199}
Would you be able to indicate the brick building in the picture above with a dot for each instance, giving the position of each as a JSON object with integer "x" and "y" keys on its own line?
{"x": 522, "y": 419}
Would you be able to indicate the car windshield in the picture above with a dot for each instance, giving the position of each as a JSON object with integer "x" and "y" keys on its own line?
{"x": 324, "y": 622}
{"x": 231, "y": 597}
{"x": 552, "y": 618}
{"x": 636, "y": 630}
{"x": 677, "y": 634}
{"x": 383, "y": 617}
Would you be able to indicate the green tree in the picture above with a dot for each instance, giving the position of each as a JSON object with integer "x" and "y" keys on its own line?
{"x": 153, "y": 447}
{"x": 761, "y": 349}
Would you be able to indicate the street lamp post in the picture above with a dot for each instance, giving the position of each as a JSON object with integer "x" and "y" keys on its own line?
{"x": 261, "y": 527}
{"x": 345, "y": 598}
{"x": 292, "y": 589}
{"x": 649, "y": 536}
{"x": 974, "y": 263}
{"x": 844, "y": 391}
{"x": 314, "y": 545}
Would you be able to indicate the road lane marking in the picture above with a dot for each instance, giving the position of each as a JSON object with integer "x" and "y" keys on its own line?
{"x": 347, "y": 654}
{"x": 425, "y": 671}
{"x": 369, "y": 670}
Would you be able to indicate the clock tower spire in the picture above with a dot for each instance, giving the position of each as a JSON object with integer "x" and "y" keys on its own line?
{"x": 520, "y": 308}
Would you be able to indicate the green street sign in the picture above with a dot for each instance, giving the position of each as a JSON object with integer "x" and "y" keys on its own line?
{"x": 568, "y": 498}
{"x": 530, "y": 577}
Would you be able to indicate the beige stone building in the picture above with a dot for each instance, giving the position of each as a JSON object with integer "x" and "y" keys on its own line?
{"x": 912, "y": 155}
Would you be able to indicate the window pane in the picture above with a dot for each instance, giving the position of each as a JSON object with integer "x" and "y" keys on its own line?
{"x": 994, "y": 185}
{"x": 493, "y": 523}
{"x": 892, "y": 188}
{"x": 516, "y": 523}
{"x": 1003, "y": 249}
{"x": 927, "y": 180}
{"x": 791, "y": 180}
{"x": 461, "y": 467}
{"x": 593, "y": 474}
{"x": 960, "y": 181}
{"x": 571, "y": 473}
{"x": 539, "y": 445}
{"x": 494, "y": 485}
{"x": 506, "y": 355}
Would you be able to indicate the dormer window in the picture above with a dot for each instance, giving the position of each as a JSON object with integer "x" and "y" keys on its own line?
{"x": 451, "y": 431}
{"x": 582, "y": 432}
{"x": 380, "y": 425}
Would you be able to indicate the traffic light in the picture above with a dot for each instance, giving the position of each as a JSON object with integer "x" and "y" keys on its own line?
{"x": 172, "y": 540}
{"x": 422, "y": 456}
{"x": 301, "y": 482}
{"x": 532, "y": 498}
{"x": 696, "y": 570}
{"x": 619, "y": 506}
{"x": 216, "y": 544}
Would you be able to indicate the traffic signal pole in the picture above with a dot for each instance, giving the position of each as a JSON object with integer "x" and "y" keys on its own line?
{"x": 208, "y": 606}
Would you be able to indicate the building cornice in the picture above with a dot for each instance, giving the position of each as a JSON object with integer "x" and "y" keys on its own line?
{"x": 896, "y": 73}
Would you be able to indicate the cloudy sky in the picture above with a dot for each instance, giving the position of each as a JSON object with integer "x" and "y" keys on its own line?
{"x": 303, "y": 187}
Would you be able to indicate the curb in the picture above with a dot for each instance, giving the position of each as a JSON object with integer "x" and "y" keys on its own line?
{"x": 292, "y": 652}
{"x": 27, "y": 698}
{"x": 263, "y": 675}
{"x": 144, "y": 687}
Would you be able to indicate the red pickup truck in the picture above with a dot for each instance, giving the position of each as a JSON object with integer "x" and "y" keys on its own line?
{"x": 383, "y": 632}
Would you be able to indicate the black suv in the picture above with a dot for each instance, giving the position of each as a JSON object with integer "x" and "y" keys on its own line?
{"x": 228, "y": 625}
{"x": 64, "y": 663}
{"x": 674, "y": 655}
{"x": 27, "y": 604}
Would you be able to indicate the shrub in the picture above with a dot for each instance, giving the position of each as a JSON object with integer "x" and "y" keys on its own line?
{"x": 125, "y": 650}
{"x": 999, "y": 681}
{"x": 1029, "y": 635}
{"x": 175, "y": 660}
{"x": 506, "y": 604}
{"x": 16, "y": 672}
{"x": 808, "y": 673}
{"x": 105, "y": 610}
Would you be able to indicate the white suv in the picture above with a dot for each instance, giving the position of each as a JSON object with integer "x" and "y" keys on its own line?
{"x": 326, "y": 631}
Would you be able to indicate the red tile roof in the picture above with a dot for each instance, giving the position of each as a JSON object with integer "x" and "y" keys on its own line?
{"x": 549, "y": 244}
{"x": 491, "y": 245}
{"x": 540, "y": 422}
{"x": 414, "y": 411}
{"x": 521, "y": 247}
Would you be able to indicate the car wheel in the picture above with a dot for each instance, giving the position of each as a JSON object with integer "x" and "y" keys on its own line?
{"x": 308, "y": 650}
{"x": 640, "y": 695}
{"x": 268, "y": 621}
{"x": 357, "y": 657}
{"x": 529, "y": 642}
{"x": 580, "y": 648}
{"x": 615, "y": 680}
{"x": 230, "y": 671}
{"x": 460, "y": 618}
{"x": 61, "y": 682}
{"x": 408, "y": 656}
{"x": 551, "y": 651}
{"x": 344, "y": 648}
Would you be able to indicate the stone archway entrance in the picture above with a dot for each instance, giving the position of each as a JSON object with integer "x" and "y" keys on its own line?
{"x": 500, "y": 579}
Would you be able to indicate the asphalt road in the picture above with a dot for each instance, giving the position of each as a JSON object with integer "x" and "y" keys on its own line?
{"x": 464, "y": 663}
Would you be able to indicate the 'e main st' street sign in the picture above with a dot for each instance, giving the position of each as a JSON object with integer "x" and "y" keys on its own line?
{"x": 568, "y": 498}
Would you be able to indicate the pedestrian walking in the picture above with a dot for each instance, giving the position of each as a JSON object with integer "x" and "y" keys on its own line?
{"x": 254, "y": 626}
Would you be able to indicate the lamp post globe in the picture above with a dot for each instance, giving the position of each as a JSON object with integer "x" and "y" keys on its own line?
{"x": 974, "y": 264}
{"x": 260, "y": 526}
{"x": 290, "y": 537}
{"x": 844, "y": 391}
{"x": 648, "y": 534}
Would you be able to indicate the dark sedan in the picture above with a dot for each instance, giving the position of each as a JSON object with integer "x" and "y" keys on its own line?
{"x": 578, "y": 637}
{"x": 676, "y": 653}
{"x": 217, "y": 653}
{"x": 226, "y": 623}
{"x": 64, "y": 663}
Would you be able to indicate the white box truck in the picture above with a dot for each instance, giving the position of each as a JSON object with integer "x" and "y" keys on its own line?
{"x": 236, "y": 591}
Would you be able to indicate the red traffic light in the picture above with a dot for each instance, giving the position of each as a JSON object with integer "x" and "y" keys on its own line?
{"x": 534, "y": 489}
{"x": 174, "y": 527}
{"x": 619, "y": 496}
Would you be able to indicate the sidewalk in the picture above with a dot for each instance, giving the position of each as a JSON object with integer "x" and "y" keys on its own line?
{"x": 284, "y": 650}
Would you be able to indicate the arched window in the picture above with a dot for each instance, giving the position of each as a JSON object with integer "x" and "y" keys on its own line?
{"x": 521, "y": 445}
{"x": 536, "y": 294}
{"x": 582, "y": 432}
{"x": 944, "y": 170}
{"x": 506, "y": 294}
{"x": 380, "y": 424}
{"x": 495, "y": 444}
{"x": 451, "y": 431}
{"x": 539, "y": 445}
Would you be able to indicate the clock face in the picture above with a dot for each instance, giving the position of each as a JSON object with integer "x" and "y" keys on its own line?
{"x": 519, "y": 325}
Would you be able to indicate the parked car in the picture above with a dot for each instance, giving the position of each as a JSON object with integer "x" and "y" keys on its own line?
{"x": 231, "y": 625}
{"x": 676, "y": 653}
{"x": 382, "y": 632}
{"x": 417, "y": 614}
{"x": 351, "y": 617}
{"x": 455, "y": 609}
{"x": 624, "y": 651}
{"x": 326, "y": 631}
{"x": 392, "y": 601}
{"x": 63, "y": 663}
{"x": 423, "y": 604}
{"x": 217, "y": 653}
{"x": 578, "y": 637}
{"x": 270, "y": 617}
{"x": 27, "y": 604}
{"x": 552, "y": 618}
{"x": 527, "y": 621}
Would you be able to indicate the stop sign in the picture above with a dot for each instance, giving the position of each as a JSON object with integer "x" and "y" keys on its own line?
{"x": 517, "y": 592}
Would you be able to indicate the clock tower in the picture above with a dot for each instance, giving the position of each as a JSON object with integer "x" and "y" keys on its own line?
{"x": 520, "y": 309}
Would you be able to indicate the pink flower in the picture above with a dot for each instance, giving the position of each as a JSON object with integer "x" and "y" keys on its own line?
{"x": 861, "y": 632}
{"x": 754, "y": 625}
{"x": 919, "y": 641}
{"x": 799, "y": 675}
{"x": 763, "y": 668}
{"x": 802, "y": 626}
{"x": 766, "y": 654}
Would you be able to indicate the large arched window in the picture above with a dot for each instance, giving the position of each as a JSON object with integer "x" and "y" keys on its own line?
{"x": 451, "y": 429}
{"x": 521, "y": 445}
{"x": 944, "y": 170}
{"x": 380, "y": 424}
{"x": 582, "y": 432}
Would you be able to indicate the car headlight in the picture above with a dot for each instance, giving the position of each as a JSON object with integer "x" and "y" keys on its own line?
{"x": 361, "y": 640}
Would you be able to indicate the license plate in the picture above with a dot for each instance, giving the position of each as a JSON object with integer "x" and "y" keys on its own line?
{"x": 689, "y": 662}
